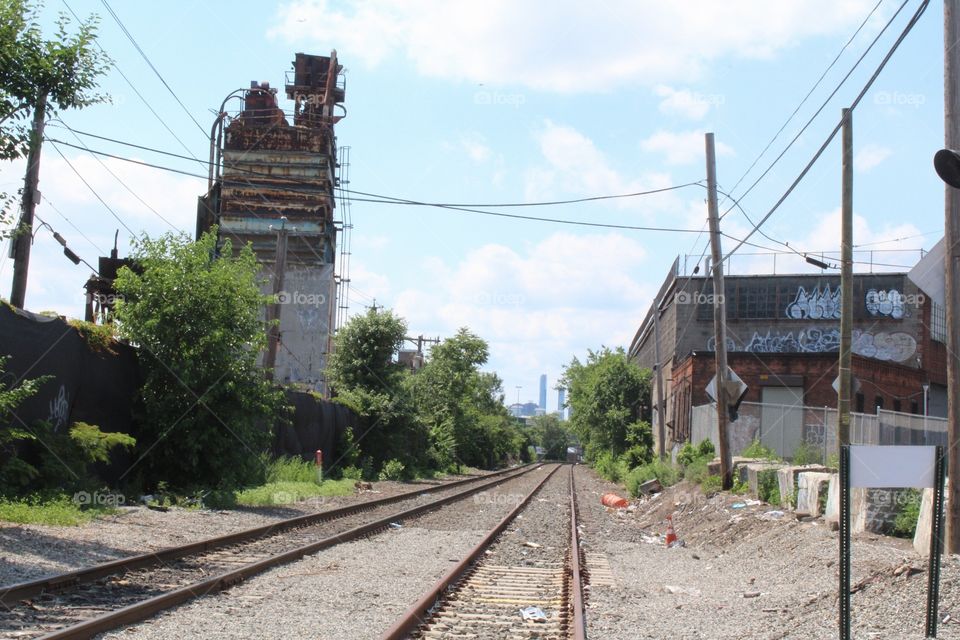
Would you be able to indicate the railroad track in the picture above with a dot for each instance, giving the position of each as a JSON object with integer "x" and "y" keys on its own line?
{"x": 540, "y": 597}
{"x": 83, "y": 603}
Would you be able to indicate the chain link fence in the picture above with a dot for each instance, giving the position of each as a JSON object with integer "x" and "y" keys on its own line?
{"x": 786, "y": 428}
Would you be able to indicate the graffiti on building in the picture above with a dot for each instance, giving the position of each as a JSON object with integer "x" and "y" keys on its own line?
{"x": 894, "y": 346}
{"x": 731, "y": 344}
{"x": 817, "y": 305}
{"x": 59, "y": 409}
{"x": 885, "y": 303}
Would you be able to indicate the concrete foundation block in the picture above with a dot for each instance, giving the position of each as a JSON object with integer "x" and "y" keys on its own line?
{"x": 809, "y": 485}
{"x": 753, "y": 472}
{"x": 833, "y": 499}
{"x": 787, "y": 479}
{"x": 921, "y": 538}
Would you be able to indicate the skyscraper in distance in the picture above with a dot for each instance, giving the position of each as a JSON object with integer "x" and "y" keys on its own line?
{"x": 543, "y": 391}
{"x": 561, "y": 398}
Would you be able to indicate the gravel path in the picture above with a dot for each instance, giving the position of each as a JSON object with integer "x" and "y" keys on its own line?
{"x": 33, "y": 551}
{"x": 351, "y": 591}
{"x": 745, "y": 573}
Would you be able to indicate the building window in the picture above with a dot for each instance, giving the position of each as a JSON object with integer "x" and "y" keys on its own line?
{"x": 938, "y": 322}
{"x": 896, "y": 405}
{"x": 878, "y": 402}
{"x": 914, "y": 407}
{"x": 860, "y": 402}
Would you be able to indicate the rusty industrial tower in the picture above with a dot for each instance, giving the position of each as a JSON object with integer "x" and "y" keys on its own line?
{"x": 272, "y": 185}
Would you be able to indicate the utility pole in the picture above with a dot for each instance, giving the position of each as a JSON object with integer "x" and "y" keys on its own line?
{"x": 661, "y": 429}
{"x": 24, "y": 239}
{"x": 951, "y": 232}
{"x": 719, "y": 315}
{"x": 273, "y": 310}
{"x": 846, "y": 283}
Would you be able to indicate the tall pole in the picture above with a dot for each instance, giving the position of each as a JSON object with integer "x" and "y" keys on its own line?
{"x": 719, "y": 314}
{"x": 24, "y": 240}
{"x": 951, "y": 233}
{"x": 846, "y": 283}
{"x": 661, "y": 428}
{"x": 273, "y": 311}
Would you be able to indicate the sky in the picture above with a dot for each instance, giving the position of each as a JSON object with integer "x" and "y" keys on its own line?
{"x": 522, "y": 102}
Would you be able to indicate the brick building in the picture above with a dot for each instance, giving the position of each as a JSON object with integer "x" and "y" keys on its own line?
{"x": 783, "y": 336}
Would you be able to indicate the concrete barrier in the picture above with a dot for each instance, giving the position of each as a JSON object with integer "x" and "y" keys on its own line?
{"x": 921, "y": 538}
{"x": 787, "y": 479}
{"x": 809, "y": 485}
{"x": 755, "y": 469}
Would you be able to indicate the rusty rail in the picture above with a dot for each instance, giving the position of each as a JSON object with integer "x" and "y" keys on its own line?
{"x": 14, "y": 593}
{"x": 412, "y": 618}
{"x": 579, "y": 612}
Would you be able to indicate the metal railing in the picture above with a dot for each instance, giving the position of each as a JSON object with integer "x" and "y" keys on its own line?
{"x": 785, "y": 428}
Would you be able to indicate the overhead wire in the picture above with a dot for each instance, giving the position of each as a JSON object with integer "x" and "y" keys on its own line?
{"x": 93, "y": 191}
{"x": 883, "y": 63}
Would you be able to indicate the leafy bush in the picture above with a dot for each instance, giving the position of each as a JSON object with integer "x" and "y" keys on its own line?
{"x": 687, "y": 454}
{"x": 706, "y": 449}
{"x": 768, "y": 487}
{"x": 666, "y": 473}
{"x": 352, "y": 473}
{"x": 636, "y": 456}
{"x": 691, "y": 453}
{"x": 95, "y": 444}
{"x": 905, "y": 525}
{"x": 99, "y": 337}
{"x": 807, "y": 454}
{"x": 284, "y": 469}
{"x": 711, "y": 485}
{"x": 610, "y": 467}
{"x": 739, "y": 487}
{"x": 757, "y": 450}
{"x": 393, "y": 470}
{"x": 696, "y": 471}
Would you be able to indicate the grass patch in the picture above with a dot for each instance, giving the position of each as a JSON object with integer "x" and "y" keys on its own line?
{"x": 58, "y": 511}
{"x": 666, "y": 473}
{"x": 760, "y": 452}
{"x": 287, "y": 492}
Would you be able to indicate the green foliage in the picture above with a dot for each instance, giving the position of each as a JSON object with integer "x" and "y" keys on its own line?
{"x": 15, "y": 472}
{"x": 636, "y": 456}
{"x": 98, "y": 336}
{"x": 768, "y": 486}
{"x": 706, "y": 449}
{"x": 711, "y": 485}
{"x": 606, "y": 395}
{"x": 759, "y": 451}
{"x": 739, "y": 487}
{"x": 807, "y": 454}
{"x": 59, "y": 511}
{"x": 610, "y": 467}
{"x": 289, "y": 469}
{"x": 206, "y": 412}
{"x": 352, "y": 473}
{"x": 393, "y": 470}
{"x": 905, "y": 524}
{"x": 290, "y": 492}
{"x": 550, "y": 433}
{"x": 696, "y": 471}
{"x": 663, "y": 471}
{"x": 833, "y": 461}
{"x": 95, "y": 444}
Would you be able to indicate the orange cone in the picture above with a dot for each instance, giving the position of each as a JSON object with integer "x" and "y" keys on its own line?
{"x": 671, "y": 534}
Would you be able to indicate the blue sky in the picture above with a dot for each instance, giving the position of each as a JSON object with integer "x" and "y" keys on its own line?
{"x": 486, "y": 102}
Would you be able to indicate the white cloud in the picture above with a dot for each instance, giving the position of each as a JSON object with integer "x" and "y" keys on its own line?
{"x": 475, "y": 146}
{"x": 687, "y": 103}
{"x": 869, "y": 157}
{"x": 574, "y": 164}
{"x": 561, "y": 46}
{"x": 683, "y": 147}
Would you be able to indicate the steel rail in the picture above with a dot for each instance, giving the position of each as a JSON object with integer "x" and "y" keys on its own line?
{"x": 579, "y": 612}
{"x": 417, "y": 613}
{"x": 144, "y": 609}
{"x": 14, "y": 593}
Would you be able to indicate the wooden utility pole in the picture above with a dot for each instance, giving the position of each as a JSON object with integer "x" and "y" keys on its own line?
{"x": 951, "y": 104}
{"x": 846, "y": 283}
{"x": 719, "y": 315}
{"x": 661, "y": 427}
{"x": 24, "y": 239}
{"x": 273, "y": 311}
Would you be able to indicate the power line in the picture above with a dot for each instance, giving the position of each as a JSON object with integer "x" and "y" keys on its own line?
{"x": 133, "y": 41}
{"x": 93, "y": 191}
{"x": 139, "y": 95}
{"x": 883, "y": 63}
{"x": 810, "y": 93}
{"x": 75, "y": 227}
{"x": 63, "y": 243}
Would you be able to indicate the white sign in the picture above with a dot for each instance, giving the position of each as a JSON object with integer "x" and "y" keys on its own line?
{"x": 735, "y": 387}
{"x": 880, "y": 467}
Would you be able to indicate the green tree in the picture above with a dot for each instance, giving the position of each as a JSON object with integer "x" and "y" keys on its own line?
{"x": 206, "y": 410}
{"x": 550, "y": 433}
{"x": 463, "y": 406}
{"x": 366, "y": 378}
{"x": 15, "y": 472}
{"x": 60, "y": 73}
{"x": 607, "y": 395}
